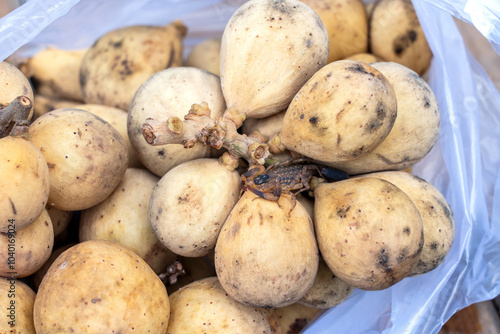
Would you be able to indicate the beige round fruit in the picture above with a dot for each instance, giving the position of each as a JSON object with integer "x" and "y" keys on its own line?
{"x": 13, "y": 83}
{"x": 343, "y": 112}
{"x": 204, "y": 307}
{"x": 436, "y": 214}
{"x": 206, "y": 55}
{"x": 86, "y": 157}
{"x": 24, "y": 183}
{"x": 171, "y": 93}
{"x": 27, "y": 249}
{"x": 269, "y": 50}
{"x": 123, "y": 218}
{"x": 369, "y": 231}
{"x": 396, "y": 35}
{"x": 121, "y": 60}
{"x": 268, "y": 126}
{"x": 118, "y": 119}
{"x": 190, "y": 204}
{"x": 415, "y": 130}
{"x": 327, "y": 291}
{"x": 99, "y": 287}
{"x": 17, "y": 300}
{"x": 346, "y": 24}
{"x": 266, "y": 253}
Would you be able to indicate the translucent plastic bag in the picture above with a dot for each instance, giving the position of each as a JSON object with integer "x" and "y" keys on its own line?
{"x": 464, "y": 164}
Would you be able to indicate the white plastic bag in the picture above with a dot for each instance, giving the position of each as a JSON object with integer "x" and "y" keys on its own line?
{"x": 464, "y": 164}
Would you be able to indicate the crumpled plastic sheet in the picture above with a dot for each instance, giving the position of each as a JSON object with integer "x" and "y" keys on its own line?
{"x": 464, "y": 164}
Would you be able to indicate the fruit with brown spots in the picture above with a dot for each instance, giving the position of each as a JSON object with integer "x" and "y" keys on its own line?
{"x": 100, "y": 287}
{"x": 204, "y": 307}
{"x": 369, "y": 231}
{"x": 30, "y": 247}
{"x": 294, "y": 318}
{"x": 122, "y": 59}
{"x": 269, "y": 50}
{"x": 343, "y": 112}
{"x": 436, "y": 214}
{"x": 415, "y": 130}
{"x": 266, "y": 254}
{"x": 24, "y": 183}
{"x": 18, "y": 309}
{"x": 190, "y": 204}
{"x": 86, "y": 157}
{"x": 396, "y": 35}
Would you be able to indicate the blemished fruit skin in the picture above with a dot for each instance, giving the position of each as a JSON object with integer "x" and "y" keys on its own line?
{"x": 266, "y": 254}
{"x": 343, "y": 112}
{"x": 100, "y": 286}
{"x": 204, "y": 306}
{"x": 369, "y": 231}
{"x": 269, "y": 49}
{"x": 24, "y": 183}
{"x": 86, "y": 156}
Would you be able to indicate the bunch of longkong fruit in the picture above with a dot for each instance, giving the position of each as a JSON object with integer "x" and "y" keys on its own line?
{"x": 143, "y": 191}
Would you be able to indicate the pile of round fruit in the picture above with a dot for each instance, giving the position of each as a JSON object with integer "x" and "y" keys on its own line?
{"x": 241, "y": 190}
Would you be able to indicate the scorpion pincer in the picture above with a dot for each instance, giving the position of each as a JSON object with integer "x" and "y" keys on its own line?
{"x": 269, "y": 183}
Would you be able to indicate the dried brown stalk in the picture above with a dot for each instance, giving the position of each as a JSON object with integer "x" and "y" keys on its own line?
{"x": 198, "y": 126}
{"x": 14, "y": 117}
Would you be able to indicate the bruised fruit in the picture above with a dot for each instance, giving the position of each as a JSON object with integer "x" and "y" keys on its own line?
{"x": 344, "y": 111}
{"x": 369, "y": 231}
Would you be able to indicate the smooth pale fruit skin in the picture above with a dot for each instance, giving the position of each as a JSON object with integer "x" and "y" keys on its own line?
{"x": 123, "y": 218}
{"x": 86, "y": 157}
{"x": 415, "y": 130}
{"x": 21, "y": 312}
{"x": 118, "y": 119}
{"x": 37, "y": 277}
{"x": 121, "y": 60}
{"x": 24, "y": 182}
{"x": 369, "y": 231}
{"x": 206, "y": 55}
{"x": 266, "y": 254}
{"x": 268, "y": 126}
{"x": 204, "y": 307}
{"x": 32, "y": 245}
{"x": 436, "y": 214}
{"x": 343, "y": 112}
{"x": 269, "y": 50}
{"x": 346, "y": 24}
{"x": 327, "y": 291}
{"x": 99, "y": 287}
{"x": 171, "y": 93}
{"x": 396, "y": 35}
{"x": 13, "y": 83}
{"x": 190, "y": 204}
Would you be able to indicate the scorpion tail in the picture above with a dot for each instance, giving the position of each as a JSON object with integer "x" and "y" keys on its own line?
{"x": 333, "y": 174}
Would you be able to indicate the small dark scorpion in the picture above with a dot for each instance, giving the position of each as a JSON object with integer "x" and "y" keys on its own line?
{"x": 269, "y": 183}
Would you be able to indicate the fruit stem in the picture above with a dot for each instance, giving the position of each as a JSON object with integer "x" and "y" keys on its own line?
{"x": 15, "y": 116}
{"x": 198, "y": 126}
